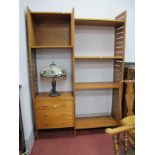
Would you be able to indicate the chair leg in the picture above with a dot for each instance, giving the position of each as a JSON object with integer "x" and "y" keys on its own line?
{"x": 116, "y": 145}
{"x": 126, "y": 141}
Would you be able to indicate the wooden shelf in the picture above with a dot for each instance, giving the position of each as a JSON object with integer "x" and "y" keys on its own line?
{"x": 98, "y": 22}
{"x": 51, "y": 15}
{"x": 96, "y": 85}
{"x": 45, "y": 96}
{"x": 95, "y": 122}
{"x": 98, "y": 57}
{"x": 61, "y": 47}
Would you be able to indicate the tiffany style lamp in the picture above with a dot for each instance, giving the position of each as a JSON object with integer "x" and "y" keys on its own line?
{"x": 53, "y": 72}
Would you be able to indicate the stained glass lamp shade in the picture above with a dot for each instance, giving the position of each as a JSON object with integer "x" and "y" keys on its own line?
{"x": 53, "y": 72}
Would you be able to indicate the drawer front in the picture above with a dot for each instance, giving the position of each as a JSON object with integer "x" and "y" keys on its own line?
{"x": 53, "y": 113}
{"x": 55, "y": 123}
{"x": 49, "y": 105}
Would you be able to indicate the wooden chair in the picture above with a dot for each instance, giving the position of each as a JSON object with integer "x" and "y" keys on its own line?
{"x": 127, "y": 124}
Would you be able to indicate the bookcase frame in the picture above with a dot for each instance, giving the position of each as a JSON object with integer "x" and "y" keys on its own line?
{"x": 57, "y": 31}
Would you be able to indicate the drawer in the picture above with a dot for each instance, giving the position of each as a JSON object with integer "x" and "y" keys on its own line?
{"x": 55, "y": 123}
{"x": 48, "y": 105}
{"x": 47, "y": 114}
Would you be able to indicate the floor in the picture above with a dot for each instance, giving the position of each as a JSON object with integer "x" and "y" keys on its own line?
{"x": 63, "y": 142}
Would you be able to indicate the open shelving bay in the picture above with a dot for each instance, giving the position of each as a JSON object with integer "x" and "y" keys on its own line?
{"x": 117, "y": 59}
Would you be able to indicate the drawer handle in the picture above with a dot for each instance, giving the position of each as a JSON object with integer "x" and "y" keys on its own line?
{"x": 55, "y": 106}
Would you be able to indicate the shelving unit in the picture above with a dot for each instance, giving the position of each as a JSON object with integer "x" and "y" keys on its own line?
{"x": 119, "y": 25}
{"x": 48, "y": 30}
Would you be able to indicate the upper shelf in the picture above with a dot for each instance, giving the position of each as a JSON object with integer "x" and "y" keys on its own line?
{"x": 50, "y": 15}
{"x": 98, "y": 22}
{"x": 98, "y": 57}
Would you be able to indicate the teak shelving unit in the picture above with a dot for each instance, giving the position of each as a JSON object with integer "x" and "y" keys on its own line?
{"x": 56, "y": 31}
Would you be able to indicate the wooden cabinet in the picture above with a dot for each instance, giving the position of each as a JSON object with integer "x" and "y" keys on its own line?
{"x": 54, "y": 112}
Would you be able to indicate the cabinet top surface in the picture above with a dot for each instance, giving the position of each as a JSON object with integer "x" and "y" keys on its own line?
{"x": 45, "y": 96}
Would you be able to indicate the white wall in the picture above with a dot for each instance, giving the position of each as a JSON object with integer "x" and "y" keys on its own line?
{"x": 25, "y": 98}
{"x": 61, "y": 57}
{"x": 95, "y": 9}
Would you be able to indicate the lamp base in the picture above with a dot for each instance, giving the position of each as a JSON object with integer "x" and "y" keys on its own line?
{"x": 54, "y": 93}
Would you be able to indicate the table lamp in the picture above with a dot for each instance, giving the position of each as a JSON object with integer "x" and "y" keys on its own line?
{"x": 53, "y": 72}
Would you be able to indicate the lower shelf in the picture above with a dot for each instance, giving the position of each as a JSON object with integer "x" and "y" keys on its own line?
{"x": 95, "y": 122}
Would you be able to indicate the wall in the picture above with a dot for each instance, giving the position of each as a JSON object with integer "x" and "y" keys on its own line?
{"x": 25, "y": 98}
{"x": 95, "y": 9}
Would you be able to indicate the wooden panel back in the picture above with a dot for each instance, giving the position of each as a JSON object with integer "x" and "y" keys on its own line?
{"x": 52, "y": 32}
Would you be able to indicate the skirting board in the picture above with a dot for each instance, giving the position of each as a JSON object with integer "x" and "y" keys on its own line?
{"x": 29, "y": 142}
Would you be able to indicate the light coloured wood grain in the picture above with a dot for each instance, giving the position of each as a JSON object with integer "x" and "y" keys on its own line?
{"x": 118, "y": 69}
{"x": 129, "y": 97}
{"x": 44, "y": 96}
{"x": 98, "y": 57}
{"x": 120, "y": 129}
{"x": 52, "y": 33}
{"x": 53, "y": 105}
{"x": 54, "y": 112}
{"x": 96, "y": 85}
{"x": 51, "y": 15}
{"x": 98, "y": 22}
{"x": 55, "y": 123}
{"x": 59, "y": 47}
{"x": 95, "y": 122}
{"x": 73, "y": 64}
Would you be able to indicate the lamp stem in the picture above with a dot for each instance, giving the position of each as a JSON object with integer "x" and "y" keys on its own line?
{"x": 53, "y": 85}
{"x": 53, "y": 91}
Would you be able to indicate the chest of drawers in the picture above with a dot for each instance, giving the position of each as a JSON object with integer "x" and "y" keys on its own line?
{"x": 54, "y": 112}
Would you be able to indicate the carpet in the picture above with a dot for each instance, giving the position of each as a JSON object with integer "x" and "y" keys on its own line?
{"x": 63, "y": 142}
